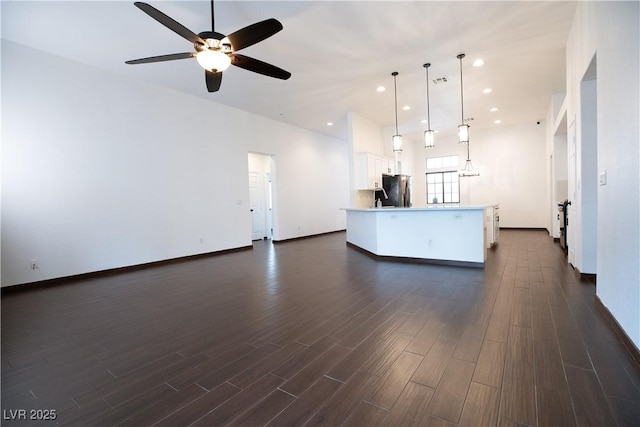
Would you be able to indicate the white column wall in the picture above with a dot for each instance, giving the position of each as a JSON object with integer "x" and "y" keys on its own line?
{"x": 610, "y": 32}
{"x": 364, "y": 136}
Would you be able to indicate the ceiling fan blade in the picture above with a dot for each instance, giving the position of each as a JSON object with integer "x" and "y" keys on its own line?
{"x": 257, "y": 66}
{"x": 254, "y": 33}
{"x": 213, "y": 80}
{"x": 161, "y": 58}
{"x": 169, "y": 22}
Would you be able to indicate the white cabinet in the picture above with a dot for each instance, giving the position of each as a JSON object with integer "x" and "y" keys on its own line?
{"x": 492, "y": 224}
{"x": 369, "y": 169}
{"x": 383, "y": 166}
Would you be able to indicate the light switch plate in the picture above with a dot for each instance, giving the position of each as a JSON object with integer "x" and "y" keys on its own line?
{"x": 602, "y": 178}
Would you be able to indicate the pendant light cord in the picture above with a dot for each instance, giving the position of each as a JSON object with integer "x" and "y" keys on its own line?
{"x": 460, "y": 56}
{"x": 426, "y": 66}
{"x": 395, "y": 94}
{"x": 461, "y": 89}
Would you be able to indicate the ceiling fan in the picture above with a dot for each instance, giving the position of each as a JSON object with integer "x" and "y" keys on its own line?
{"x": 215, "y": 52}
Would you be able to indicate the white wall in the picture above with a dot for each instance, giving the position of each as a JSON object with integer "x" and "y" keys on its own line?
{"x": 259, "y": 162}
{"x": 513, "y": 168}
{"x": 610, "y": 32}
{"x": 100, "y": 172}
{"x": 365, "y": 136}
{"x": 513, "y": 172}
{"x": 311, "y": 175}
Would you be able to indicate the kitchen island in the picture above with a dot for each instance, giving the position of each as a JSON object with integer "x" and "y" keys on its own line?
{"x": 453, "y": 235}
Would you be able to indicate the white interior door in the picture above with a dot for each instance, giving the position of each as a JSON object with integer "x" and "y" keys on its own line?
{"x": 256, "y": 201}
{"x": 269, "y": 191}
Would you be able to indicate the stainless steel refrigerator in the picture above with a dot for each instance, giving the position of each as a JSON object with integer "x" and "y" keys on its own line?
{"x": 398, "y": 191}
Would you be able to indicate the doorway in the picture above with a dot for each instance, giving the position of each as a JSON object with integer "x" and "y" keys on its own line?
{"x": 583, "y": 177}
{"x": 559, "y": 183}
{"x": 588, "y": 179}
{"x": 571, "y": 223}
{"x": 261, "y": 168}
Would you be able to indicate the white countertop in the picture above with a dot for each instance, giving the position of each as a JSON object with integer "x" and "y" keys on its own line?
{"x": 421, "y": 208}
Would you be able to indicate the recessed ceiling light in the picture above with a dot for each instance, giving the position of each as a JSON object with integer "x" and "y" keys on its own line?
{"x": 329, "y": 123}
{"x": 380, "y": 89}
{"x": 494, "y": 109}
{"x": 406, "y": 108}
{"x": 478, "y": 63}
{"x": 497, "y": 121}
{"x": 423, "y": 121}
{"x": 487, "y": 90}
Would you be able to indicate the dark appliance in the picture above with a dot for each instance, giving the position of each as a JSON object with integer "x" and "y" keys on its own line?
{"x": 563, "y": 209}
{"x": 397, "y": 189}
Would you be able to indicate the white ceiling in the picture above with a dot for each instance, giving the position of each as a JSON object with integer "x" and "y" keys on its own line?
{"x": 338, "y": 52}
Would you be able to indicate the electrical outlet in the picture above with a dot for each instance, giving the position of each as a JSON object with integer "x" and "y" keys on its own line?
{"x": 430, "y": 242}
{"x": 33, "y": 264}
{"x": 457, "y": 216}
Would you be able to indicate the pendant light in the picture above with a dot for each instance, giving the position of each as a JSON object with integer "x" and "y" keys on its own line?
{"x": 463, "y": 128}
{"x": 463, "y": 132}
{"x": 468, "y": 167}
{"x": 397, "y": 138}
{"x": 429, "y": 141}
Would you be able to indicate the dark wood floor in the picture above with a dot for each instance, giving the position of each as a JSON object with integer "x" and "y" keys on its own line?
{"x": 312, "y": 332}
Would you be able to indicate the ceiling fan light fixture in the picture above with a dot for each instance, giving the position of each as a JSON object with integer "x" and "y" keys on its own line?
{"x": 214, "y": 51}
{"x": 213, "y": 60}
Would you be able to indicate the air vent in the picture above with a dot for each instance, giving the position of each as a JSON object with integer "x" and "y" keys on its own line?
{"x": 440, "y": 80}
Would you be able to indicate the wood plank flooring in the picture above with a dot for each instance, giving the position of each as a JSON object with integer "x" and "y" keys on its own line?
{"x": 312, "y": 332}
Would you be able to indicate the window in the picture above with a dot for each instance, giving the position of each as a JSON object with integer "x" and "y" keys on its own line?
{"x": 447, "y": 162}
{"x": 443, "y": 185}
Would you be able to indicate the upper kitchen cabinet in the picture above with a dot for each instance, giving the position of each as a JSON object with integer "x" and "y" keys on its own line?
{"x": 369, "y": 169}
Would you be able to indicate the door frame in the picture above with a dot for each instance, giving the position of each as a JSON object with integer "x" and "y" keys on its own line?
{"x": 264, "y": 164}
{"x": 256, "y": 203}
